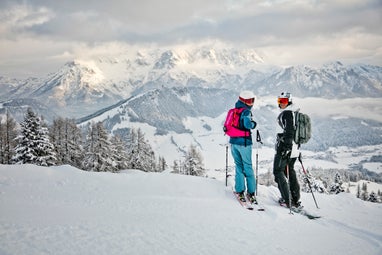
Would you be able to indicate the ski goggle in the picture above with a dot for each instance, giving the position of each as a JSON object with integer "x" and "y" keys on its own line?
{"x": 249, "y": 101}
{"x": 282, "y": 100}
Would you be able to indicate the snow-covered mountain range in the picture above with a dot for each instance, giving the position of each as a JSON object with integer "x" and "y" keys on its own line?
{"x": 82, "y": 87}
{"x": 179, "y": 95}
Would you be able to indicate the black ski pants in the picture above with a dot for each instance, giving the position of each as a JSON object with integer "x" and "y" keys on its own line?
{"x": 280, "y": 173}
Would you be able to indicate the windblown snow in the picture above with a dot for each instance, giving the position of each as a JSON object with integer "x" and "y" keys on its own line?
{"x": 63, "y": 210}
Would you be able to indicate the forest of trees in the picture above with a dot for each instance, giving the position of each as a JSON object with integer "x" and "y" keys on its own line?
{"x": 328, "y": 181}
{"x": 91, "y": 149}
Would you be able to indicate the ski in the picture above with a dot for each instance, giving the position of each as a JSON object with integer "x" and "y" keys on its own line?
{"x": 255, "y": 204}
{"x": 304, "y": 212}
{"x": 300, "y": 210}
{"x": 257, "y": 207}
{"x": 245, "y": 204}
{"x": 248, "y": 205}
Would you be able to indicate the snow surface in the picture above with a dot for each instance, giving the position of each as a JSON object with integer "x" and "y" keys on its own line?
{"x": 63, "y": 210}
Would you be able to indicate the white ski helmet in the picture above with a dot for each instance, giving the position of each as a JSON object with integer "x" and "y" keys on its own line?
{"x": 285, "y": 98}
{"x": 247, "y": 97}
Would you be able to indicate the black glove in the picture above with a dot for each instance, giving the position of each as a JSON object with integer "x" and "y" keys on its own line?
{"x": 287, "y": 151}
{"x": 286, "y": 154}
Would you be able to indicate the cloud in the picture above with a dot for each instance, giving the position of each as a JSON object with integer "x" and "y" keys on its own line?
{"x": 288, "y": 32}
{"x": 19, "y": 19}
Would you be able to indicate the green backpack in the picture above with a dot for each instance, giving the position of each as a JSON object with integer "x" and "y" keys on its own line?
{"x": 303, "y": 128}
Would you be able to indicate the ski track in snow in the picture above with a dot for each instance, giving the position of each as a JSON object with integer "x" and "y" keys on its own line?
{"x": 63, "y": 210}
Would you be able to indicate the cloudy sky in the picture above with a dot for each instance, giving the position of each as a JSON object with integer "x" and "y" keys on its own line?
{"x": 39, "y": 36}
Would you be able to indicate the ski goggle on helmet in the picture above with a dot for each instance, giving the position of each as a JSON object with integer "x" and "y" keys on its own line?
{"x": 247, "y": 97}
{"x": 284, "y": 98}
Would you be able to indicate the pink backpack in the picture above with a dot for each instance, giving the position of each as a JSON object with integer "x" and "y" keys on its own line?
{"x": 231, "y": 124}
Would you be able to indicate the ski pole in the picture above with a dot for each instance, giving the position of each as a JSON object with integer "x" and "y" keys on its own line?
{"x": 258, "y": 140}
{"x": 307, "y": 179}
{"x": 226, "y": 165}
{"x": 257, "y": 171}
{"x": 290, "y": 193}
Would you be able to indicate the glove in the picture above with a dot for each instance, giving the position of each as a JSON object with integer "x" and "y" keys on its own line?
{"x": 287, "y": 151}
{"x": 254, "y": 124}
{"x": 286, "y": 154}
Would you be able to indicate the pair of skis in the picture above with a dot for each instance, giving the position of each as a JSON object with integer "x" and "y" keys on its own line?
{"x": 255, "y": 206}
{"x": 300, "y": 210}
{"x": 247, "y": 204}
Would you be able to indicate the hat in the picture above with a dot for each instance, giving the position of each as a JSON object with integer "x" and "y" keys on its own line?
{"x": 247, "y": 97}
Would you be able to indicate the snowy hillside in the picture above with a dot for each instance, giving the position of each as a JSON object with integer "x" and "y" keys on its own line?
{"x": 63, "y": 210}
{"x": 172, "y": 119}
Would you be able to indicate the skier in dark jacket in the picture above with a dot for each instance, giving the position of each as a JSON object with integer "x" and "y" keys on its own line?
{"x": 286, "y": 154}
{"x": 241, "y": 149}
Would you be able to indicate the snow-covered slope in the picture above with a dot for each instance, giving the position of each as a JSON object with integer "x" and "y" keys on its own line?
{"x": 63, "y": 210}
{"x": 175, "y": 118}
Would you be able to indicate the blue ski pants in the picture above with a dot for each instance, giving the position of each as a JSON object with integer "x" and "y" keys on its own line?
{"x": 242, "y": 156}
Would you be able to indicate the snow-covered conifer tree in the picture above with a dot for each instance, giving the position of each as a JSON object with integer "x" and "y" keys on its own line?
{"x": 364, "y": 193}
{"x": 358, "y": 195}
{"x": 46, "y": 154}
{"x": 89, "y": 162}
{"x": 119, "y": 152}
{"x": 8, "y": 134}
{"x": 140, "y": 154}
{"x": 176, "y": 167}
{"x": 56, "y": 136}
{"x": 162, "y": 165}
{"x": 336, "y": 187}
{"x": 67, "y": 140}
{"x": 33, "y": 145}
{"x": 373, "y": 197}
{"x": 194, "y": 162}
{"x": 98, "y": 156}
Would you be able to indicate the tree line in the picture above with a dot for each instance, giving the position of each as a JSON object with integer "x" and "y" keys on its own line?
{"x": 328, "y": 181}
{"x": 91, "y": 148}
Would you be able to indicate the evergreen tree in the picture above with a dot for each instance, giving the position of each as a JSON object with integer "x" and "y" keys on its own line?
{"x": 8, "y": 134}
{"x": 98, "y": 156}
{"x": 373, "y": 197}
{"x": 194, "y": 162}
{"x": 358, "y": 191}
{"x": 33, "y": 145}
{"x": 89, "y": 162}
{"x": 119, "y": 152}
{"x": 56, "y": 136}
{"x": 140, "y": 154}
{"x": 162, "y": 165}
{"x": 132, "y": 149}
{"x": 45, "y": 149}
{"x": 176, "y": 167}
{"x": 364, "y": 194}
{"x": 74, "y": 144}
{"x": 67, "y": 140}
{"x": 336, "y": 187}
